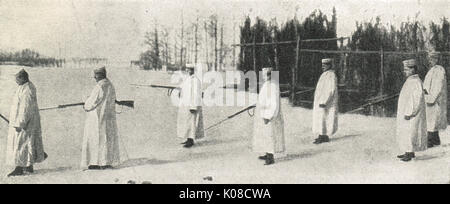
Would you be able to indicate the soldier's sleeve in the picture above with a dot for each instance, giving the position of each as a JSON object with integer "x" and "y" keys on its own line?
{"x": 94, "y": 99}
{"x": 436, "y": 87}
{"x": 23, "y": 109}
{"x": 415, "y": 99}
{"x": 273, "y": 107}
{"x": 329, "y": 89}
{"x": 196, "y": 94}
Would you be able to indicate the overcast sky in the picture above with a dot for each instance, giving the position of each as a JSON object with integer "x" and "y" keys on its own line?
{"x": 115, "y": 28}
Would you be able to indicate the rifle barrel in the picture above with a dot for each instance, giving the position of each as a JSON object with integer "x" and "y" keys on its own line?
{"x": 48, "y": 108}
{"x": 372, "y": 103}
{"x": 145, "y": 85}
{"x": 4, "y": 118}
{"x": 231, "y": 116}
{"x": 156, "y": 86}
{"x": 62, "y": 106}
{"x": 71, "y": 104}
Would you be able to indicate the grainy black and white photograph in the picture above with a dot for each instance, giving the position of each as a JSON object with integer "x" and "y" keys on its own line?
{"x": 224, "y": 92}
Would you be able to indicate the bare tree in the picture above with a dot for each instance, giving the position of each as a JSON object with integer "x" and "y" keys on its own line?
{"x": 234, "y": 42}
{"x": 221, "y": 48}
{"x": 165, "y": 45}
{"x": 182, "y": 41}
{"x": 196, "y": 40}
{"x": 213, "y": 34}
{"x": 150, "y": 59}
{"x": 156, "y": 63}
{"x": 175, "y": 51}
{"x": 206, "y": 44}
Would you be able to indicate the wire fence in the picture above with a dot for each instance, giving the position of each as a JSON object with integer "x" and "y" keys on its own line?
{"x": 364, "y": 76}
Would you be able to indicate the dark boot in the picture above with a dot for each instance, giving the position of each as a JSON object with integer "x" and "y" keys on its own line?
{"x": 408, "y": 157}
{"x": 106, "y": 167}
{"x": 269, "y": 159}
{"x": 185, "y": 142}
{"x": 94, "y": 167}
{"x": 318, "y": 140}
{"x": 263, "y": 157}
{"x": 189, "y": 143}
{"x": 18, "y": 171}
{"x": 325, "y": 138}
{"x": 322, "y": 139}
{"x": 29, "y": 169}
{"x": 437, "y": 139}
{"x": 430, "y": 140}
{"x": 401, "y": 156}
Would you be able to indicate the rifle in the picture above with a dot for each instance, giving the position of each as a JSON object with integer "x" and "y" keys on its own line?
{"x": 62, "y": 106}
{"x": 156, "y": 86}
{"x": 169, "y": 88}
{"x": 127, "y": 103}
{"x": 232, "y": 116}
{"x": 288, "y": 93}
{"x": 4, "y": 118}
{"x": 373, "y": 103}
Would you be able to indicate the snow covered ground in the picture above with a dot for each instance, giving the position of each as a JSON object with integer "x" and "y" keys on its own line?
{"x": 363, "y": 151}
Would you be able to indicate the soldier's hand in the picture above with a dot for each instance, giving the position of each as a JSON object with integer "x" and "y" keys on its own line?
{"x": 18, "y": 129}
{"x": 266, "y": 121}
{"x": 322, "y": 105}
{"x": 407, "y": 117}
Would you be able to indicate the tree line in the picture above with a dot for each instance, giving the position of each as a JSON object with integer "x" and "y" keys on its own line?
{"x": 28, "y": 57}
{"x": 316, "y": 26}
{"x": 412, "y": 39}
{"x": 362, "y": 75}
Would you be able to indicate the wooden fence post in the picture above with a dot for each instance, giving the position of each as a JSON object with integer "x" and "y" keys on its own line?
{"x": 276, "y": 52}
{"x": 381, "y": 72}
{"x": 382, "y": 109}
{"x": 342, "y": 63}
{"x": 294, "y": 70}
{"x": 254, "y": 63}
{"x": 263, "y": 52}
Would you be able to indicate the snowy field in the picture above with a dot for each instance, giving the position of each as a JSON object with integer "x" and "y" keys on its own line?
{"x": 363, "y": 151}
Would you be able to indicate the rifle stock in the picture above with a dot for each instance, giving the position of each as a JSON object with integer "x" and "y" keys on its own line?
{"x": 127, "y": 103}
{"x": 164, "y": 86}
{"x": 241, "y": 111}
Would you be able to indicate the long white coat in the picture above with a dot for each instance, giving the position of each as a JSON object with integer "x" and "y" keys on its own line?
{"x": 190, "y": 125}
{"x": 412, "y": 134}
{"x": 325, "y": 120}
{"x": 25, "y": 148}
{"x": 435, "y": 84}
{"x": 100, "y": 143}
{"x": 269, "y": 138}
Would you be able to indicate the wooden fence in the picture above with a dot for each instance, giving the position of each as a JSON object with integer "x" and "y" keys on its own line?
{"x": 295, "y": 85}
